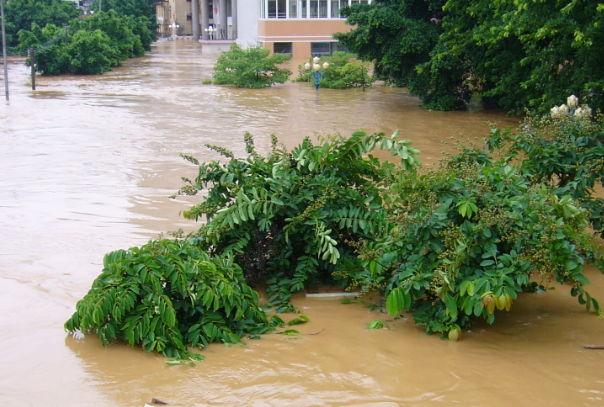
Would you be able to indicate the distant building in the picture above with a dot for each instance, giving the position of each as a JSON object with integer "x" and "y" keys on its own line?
{"x": 295, "y": 27}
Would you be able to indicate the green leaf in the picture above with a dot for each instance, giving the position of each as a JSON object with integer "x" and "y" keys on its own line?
{"x": 451, "y": 306}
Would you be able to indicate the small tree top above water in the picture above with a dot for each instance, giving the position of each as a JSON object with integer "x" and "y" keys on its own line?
{"x": 250, "y": 68}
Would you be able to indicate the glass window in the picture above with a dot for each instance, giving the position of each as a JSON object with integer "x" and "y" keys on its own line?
{"x": 335, "y": 9}
{"x": 281, "y": 9}
{"x": 323, "y": 9}
{"x": 272, "y": 9}
{"x": 293, "y": 8}
{"x": 314, "y": 8}
{"x": 353, "y": 2}
{"x": 320, "y": 48}
{"x": 303, "y": 8}
{"x": 282, "y": 48}
{"x": 343, "y": 3}
{"x": 337, "y": 47}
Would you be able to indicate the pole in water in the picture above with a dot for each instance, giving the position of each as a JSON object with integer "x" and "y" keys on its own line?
{"x": 32, "y": 61}
{"x": 4, "y": 50}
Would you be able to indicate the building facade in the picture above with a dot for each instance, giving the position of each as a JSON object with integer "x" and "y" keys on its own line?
{"x": 302, "y": 27}
{"x": 295, "y": 27}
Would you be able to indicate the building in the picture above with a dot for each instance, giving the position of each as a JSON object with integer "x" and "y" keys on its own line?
{"x": 301, "y": 27}
{"x": 295, "y": 27}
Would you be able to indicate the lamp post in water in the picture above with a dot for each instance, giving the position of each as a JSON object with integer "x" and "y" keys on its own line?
{"x": 317, "y": 74}
{"x": 4, "y": 50}
{"x": 174, "y": 26}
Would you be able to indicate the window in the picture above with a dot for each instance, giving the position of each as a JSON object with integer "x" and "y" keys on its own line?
{"x": 320, "y": 48}
{"x": 314, "y": 8}
{"x": 281, "y": 8}
{"x": 303, "y": 8}
{"x": 335, "y": 9}
{"x": 323, "y": 9}
{"x": 282, "y": 48}
{"x": 293, "y": 8}
{"x": 189, "y": 17}
{"x": 336, "y": 47}
{"x": 272, "y": 9}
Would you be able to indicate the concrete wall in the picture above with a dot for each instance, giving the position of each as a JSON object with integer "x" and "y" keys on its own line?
{"x": 247, "y": 22}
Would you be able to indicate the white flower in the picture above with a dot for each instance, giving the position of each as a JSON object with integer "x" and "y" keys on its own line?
{"x": 555, "y": 111}
{"x": 77, "y": 334}
{"x": 572, "y": 101}
{"x": 583, "y": 112}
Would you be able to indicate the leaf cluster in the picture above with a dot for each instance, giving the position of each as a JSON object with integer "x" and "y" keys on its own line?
{"x": 95, "y": 44}
{"x": 167, "y": 296}
{"x": 518, "y": 55}
{"x": 344, "y": 72}
{"x": 252, "y": 67}
{"x": 21, "y": 14}
{"x": 292, "y": 218}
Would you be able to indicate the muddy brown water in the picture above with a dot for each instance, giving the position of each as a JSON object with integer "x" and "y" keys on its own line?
{"x": 86, "y": 167}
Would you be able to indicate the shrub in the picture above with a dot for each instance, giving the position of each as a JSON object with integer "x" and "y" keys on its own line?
{"x": 250, "y": 68}
{"x": 344, "y": 72}
{"x": 168, "y": 295}
{"x": 292, "y": 219}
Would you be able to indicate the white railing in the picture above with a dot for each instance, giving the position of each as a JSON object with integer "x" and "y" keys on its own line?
{"x": 304, "y": 9}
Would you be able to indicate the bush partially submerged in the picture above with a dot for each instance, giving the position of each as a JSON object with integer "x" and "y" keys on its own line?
{"x": 252, "y": 67}
{"x": 450, "y": 243}
{"x": 169, "y": 295}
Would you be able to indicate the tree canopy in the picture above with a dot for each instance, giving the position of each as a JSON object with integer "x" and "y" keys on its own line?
{"x": 519, "y": 55}
{"x": 21, "y": 14}
{"x": 136, "y": 8}
{"x": 95, "y": 44}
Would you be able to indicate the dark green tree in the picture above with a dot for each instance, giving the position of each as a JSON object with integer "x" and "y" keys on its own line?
{"x": 134, "y": 8}
{"x": 519, "y": 55}
{"x": 21, "y": 14}
{"x": 50, "y": 59}
{"x": 96, "y": 43}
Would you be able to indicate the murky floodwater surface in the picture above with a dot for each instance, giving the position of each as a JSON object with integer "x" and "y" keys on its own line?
{"x": 86, "y": 167}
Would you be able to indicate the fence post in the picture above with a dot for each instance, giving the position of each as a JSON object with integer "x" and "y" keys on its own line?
{"x": 32, "y": 61}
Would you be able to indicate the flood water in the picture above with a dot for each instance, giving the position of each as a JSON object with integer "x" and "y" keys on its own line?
{"x": 86, "y": 167}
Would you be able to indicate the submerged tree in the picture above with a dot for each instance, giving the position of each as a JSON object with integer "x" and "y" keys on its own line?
{"x": 252, "y": 67}
{"x": 450, "y": 244}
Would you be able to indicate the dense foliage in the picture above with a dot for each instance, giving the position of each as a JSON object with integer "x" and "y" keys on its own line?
{"x": 562, "y": 150}
{"x": 519, "y": 55}
{"x": 95, "y": 44}
{"x": 345, "y": 71}
{"x": 21, "y": 14}
{"x": 167, "y": 296}
{"x": 134, "y": 8}
{"x": 252, "y": 67}
{"x": 449, "y": 243}
{"x": 293, "y": 219}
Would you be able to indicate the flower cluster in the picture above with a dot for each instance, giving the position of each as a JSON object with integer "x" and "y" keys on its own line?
{"x": 571, "y": 107}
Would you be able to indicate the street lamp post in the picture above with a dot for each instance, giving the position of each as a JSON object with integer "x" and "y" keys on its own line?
{"x": 4, "y": 51}
{"x": 211, "y": 31}
{"x": 174, "y": 26}
{"x": 317, "y": 74}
